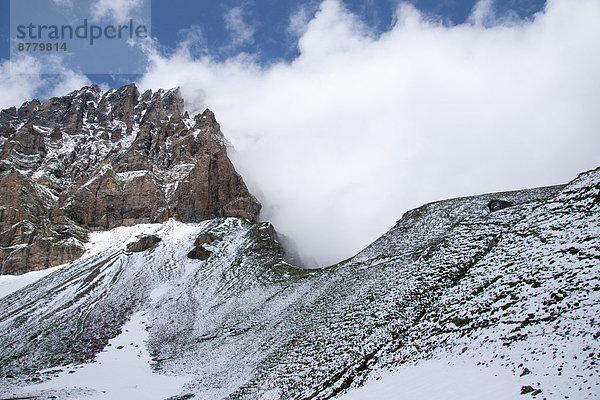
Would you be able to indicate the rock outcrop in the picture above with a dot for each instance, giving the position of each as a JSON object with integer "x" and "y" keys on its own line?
{"x": 29, "y": 238}
{"x": 497, "y": 205}
{"x": 95, "y": 160}
{"x": 144, "y": 243}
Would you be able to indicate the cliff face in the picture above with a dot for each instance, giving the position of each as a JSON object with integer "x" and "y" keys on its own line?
{"x": 95, "y": 160}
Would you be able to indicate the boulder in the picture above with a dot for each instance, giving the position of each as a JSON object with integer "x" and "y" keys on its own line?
{"x": 144, "y": 243}
{"x": 497, "y": 205}
{"x": 199, "y": 253}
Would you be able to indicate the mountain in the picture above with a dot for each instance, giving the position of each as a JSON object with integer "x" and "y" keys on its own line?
{"x": 504, "y": 284}
{"x": 97, "y": 160}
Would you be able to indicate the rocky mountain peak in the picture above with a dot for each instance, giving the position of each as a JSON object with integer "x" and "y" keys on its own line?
{"x": 97, "y": 159}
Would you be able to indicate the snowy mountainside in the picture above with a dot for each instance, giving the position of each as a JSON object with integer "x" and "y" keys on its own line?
{"x": 69, "y": 315}
{"x": 530, "y": 305}
{"x": 512, "y": 289}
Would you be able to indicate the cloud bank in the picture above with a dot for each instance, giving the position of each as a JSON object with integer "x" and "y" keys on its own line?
{"x": 358, "y": 129}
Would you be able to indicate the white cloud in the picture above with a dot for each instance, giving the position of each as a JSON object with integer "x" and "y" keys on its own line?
{"x": 358, "y": 129}
{"x": 68, "y": 82}
{"x": 483, "y": 13}
{"x": 192, "y": 40}
{"x": 17, "y": 87}
{"x": 298, "y": 23}
{"x": 119, "y": 10}
{"x": 241, "y": 33}
{"x": 21, "y": 80}
{"x": 64, "y": 3}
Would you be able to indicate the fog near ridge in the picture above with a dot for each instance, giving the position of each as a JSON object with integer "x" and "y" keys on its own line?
{"x": 360, "y": 128}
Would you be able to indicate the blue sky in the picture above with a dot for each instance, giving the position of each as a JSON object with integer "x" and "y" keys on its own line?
{"x": 174, "y": 20}
{"x": 270, "y": 19}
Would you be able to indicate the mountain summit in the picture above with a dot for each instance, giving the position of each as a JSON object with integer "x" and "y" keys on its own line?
{"x": 97, "y": 160}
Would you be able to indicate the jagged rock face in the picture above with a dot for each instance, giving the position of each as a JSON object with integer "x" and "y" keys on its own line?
{"x": 29, "y": 239}
{"x": 110, "y": 201}
{"x": 107, "y": 159}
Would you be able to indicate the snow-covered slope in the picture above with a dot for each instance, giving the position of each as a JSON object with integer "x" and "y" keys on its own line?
{"x": 12, "y": 283}
{"x": 508, "y": 293}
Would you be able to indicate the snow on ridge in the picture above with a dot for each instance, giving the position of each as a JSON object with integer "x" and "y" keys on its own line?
{"x": 175, "y": 175}
{"x": 41, "y": 129}
{"x": 526, "y": 307}
{"x": 585, "y": 180}
{"x": 100, "y": 173}
{"x": 128, "y": 139}
{"x": 118, "y": 238}
{"x": 130, "y": 175}
{"x": 189, "y": 123}
{"x": 115, "y": 123}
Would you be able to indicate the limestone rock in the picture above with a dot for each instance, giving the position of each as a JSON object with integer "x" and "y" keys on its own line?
{"x": 203, "y": 239}
{"x": 199, "y": 253}
{"x": 29, "y": 240}
{"x": 110, "y": 201}
{"x": 527, "y": 389}
{"x": 143, "y": 244}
